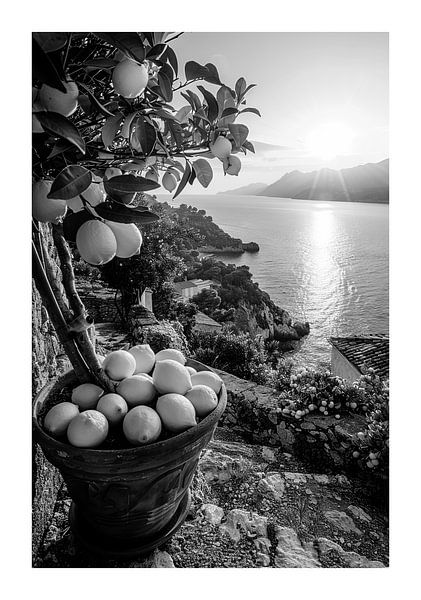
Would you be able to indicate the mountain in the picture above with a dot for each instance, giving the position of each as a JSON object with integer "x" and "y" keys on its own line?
{"x": 252, "y": 189}
{"x": 365, "y": 183}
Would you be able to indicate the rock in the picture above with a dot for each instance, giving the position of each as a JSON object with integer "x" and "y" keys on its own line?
{"x": 296, "y": 477}
{"x": 342, "y": 521}
{"x": 359, "y": 513}
{"x": 329, "y": 550}
{"x": 212, "y": 513}
{"x": 262, "y": 545}
{"x": 268, "y": 454}
{"x": 291, "y": 553}
{"x": 301, "y": 328}
{"x": 239, "y": 520}
{"x": 162, "y": 560}
{"x": 250, "y": 246}
{"x": 157, "y": 560}
{"x": 307, "y": 426}
{"x": 272, "y": 486}
{"x": 286, "y": 437}
{"x": 342, "y": 480}
{"x": 220, "y": 468}
{"x": 321, "y": 479}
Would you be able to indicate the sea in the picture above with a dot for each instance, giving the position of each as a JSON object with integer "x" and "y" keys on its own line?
{"x": 324, "y": 262}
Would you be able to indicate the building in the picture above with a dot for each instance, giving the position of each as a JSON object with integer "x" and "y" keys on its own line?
{"x": 192, "y": 287}
{"x": 351, "y": 355}
{"x": 205, "y": 323}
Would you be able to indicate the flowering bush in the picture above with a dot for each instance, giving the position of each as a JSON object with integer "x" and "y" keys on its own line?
{"x": 316, "y": 391}
{"x": 371, "y": 446}
{"x": 306, "y": 391}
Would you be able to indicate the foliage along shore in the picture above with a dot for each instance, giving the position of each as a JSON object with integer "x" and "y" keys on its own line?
{"x": 171, "y": 253}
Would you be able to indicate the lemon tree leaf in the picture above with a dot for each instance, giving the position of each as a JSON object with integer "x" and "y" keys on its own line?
{"x": 251, "y": 110}
{"x": 249, "y": 146}
{"x": 58, "y": 148}
{"x": 193, "y": 70}
{"x": 110, "y": 128}
{"x": 128, "y": 184}
{"x": 203, "y": 171}
{"x": 70, "y": 182}
{"x": 225, "y": 99}
{"x": 128, "y": 42}
{"x": 165, "y": 81}
{"x": 143, "y": 136}
{"x": 212, "y": 75}
{"x": 211, "y": 102}
{"x": 56, "y": 124}
{"x": 52, "y": 40}
{"x": 43, "y": 68}
{"x": 231, "y": 110}
{"x": 156, "y": 51}
{"x": 240, "y": 88}
{"x": 72, "y": 221}
{"x": 184, "y": 180}
{"x": 239, "y": 133}
{"x": 171, "y": 57}
{"x": 118, "y": 213}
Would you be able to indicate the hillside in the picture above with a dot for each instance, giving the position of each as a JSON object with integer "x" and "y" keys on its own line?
{"x": 252, "y": 189}
{"x": 364, "y": 183}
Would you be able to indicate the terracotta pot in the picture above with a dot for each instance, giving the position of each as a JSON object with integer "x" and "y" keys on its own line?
{"x": 131, "y": 500}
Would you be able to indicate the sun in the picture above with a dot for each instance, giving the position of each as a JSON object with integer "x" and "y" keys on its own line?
{"x": 329, "y": 140}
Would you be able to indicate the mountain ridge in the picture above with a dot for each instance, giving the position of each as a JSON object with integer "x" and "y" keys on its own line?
{"x": 363, "y": 183}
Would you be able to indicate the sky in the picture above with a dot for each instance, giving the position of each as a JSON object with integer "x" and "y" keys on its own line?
{"x": 323, "y": 98}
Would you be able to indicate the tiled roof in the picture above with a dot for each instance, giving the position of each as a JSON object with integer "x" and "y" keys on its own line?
{"x": 365, "y": 351}
{"x": 182, "y": 285}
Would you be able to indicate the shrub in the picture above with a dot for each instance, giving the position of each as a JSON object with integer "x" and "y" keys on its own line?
{"x": 237, "y": 353}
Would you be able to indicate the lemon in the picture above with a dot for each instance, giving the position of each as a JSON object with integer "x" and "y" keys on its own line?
{"x": 176, "y": 412}
{"x": 207, "y": 378}
{"x": 59, "y": 102}
{"x": 169, "y": 376}
{"x": 129, "y": 79}
{"x": 86, "y": 395}
{"x": 144, "y": 356}
{"x": 221, "y": 148}
{"x": 137, "y": 389}
{"x": 88, "y": 429}
{"x": 96, "y": 242}
{"x": 46, "y": 210}
{"x": 169, "y": 182}
{"x": 128, "y": 236}
{"x": 142, "y": 425}
{"x": 112, "y": 172}
{"x": 172, "y": 354}
{"x": 113, "y": 407}
{"x": 203, "y": 398}
{"x": 58, "y": 418}
{"x": 119, "y": 364}
{"x": 232, "y": 165}
{"x": 191, "y": 370}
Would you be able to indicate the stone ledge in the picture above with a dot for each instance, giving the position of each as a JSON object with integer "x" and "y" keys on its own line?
{"x": 254, "y": 411}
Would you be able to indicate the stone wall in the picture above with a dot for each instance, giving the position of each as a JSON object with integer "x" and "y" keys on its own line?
{"x": 253, "y": 410}
{"x": 48, "y": 360}
{"x": 99, "y": 301}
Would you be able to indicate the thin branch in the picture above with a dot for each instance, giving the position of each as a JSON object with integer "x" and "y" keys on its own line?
{"x": 174, "y": 37}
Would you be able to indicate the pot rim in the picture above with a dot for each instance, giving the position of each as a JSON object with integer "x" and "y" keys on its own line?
{"x": 181, "y": 439}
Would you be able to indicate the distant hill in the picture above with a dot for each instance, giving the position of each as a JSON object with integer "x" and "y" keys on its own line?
{"x": 365, "y": 183}
{"x": 253, "y": 189}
